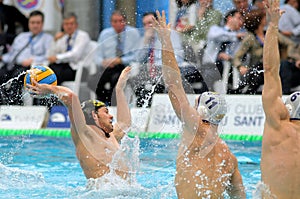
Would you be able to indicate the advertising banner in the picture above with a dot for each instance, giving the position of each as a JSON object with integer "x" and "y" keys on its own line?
{"x": 22, "y": 117}
{"x": 245, "y": 115}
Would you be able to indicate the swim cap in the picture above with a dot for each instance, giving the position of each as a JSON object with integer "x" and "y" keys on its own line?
{"x": 292, "y": 103}
{"x": 87, "y": 108}
{"x": 212, "y": 107}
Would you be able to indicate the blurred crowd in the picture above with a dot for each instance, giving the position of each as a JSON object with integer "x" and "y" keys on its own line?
{"x": 215, "y": 51}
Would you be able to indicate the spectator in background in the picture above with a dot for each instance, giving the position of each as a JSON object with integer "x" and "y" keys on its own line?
{"x": 252, "y": 45}
{"x": 289, "y": 23}
{"x": 28, "y": 48}
{"x": 258, "y": 4}
{"x": 68, "y": 50}
{"x": 117, "y": 47}
{"x": 290, "y": 71}
{"x": 242, "y": 6}
{"x": 207, "y": 16}
{"x": 222, "y": 43}
{"x": 186, "y": 16}
{"x": 149, "y": 56}
{"x": 9, "y": 17}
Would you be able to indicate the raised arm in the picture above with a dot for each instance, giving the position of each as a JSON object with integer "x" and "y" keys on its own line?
{"x": 68, "y": 97}
{"x": 172, "y": 76}
{"x": 123, "y": 112}
{"x": 272, "y": 92}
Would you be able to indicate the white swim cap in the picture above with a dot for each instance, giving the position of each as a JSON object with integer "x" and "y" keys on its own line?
{"x": 292, "y": 103}
{"x": 212, "y": 107}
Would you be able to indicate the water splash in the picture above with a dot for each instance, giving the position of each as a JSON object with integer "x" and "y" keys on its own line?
{"x": 11, "y": 91}
{"x": 112, "y": 185}
{"x": 19, "y": 179}
{"x": 9, "y": 82}
{"x": 7, "y": 157}
{"x": 128, "y": 154}
{"x": 148, "y": 96}
{"x": 256, "y": 71}
{"x": 262, "y": 191}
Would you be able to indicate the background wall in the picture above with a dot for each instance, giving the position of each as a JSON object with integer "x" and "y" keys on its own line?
{"x": 94, "y": 15}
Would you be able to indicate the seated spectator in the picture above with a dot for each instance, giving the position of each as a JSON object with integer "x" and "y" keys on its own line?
{"x": 149, "y": 55}
{"x": 222, "y": 42}
{"x": 207, "y": 16}
{"x": 117, "y": 47}
{"x": 186, "y": 16}
{"x": 252, "y": 45}
{"x": 242, "y": 6}
{"x": 28, "y": 48}
{"x": 289, "y": 23}
{"x": 68, "y": 50}
{"x": 290, "y": 71}
{"x": 259, "y": 4}
{"x": 9, "y": 17}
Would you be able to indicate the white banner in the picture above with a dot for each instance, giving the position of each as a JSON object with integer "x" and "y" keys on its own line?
{"x": 245, "y": 115}
{"x": 139, "y": 118}
{"x": 22, "y": 117}
{"x": 162, "y": 116}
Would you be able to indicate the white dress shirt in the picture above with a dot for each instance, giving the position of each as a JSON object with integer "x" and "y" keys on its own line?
{"x": 36, "y": 50}
{"x": 79, "y": 42}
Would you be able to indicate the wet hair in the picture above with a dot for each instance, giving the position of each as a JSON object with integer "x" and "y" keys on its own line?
{"x": 87, "y": 108}
{"x": 253, "y": 19}
{"x": 180, "y": 4}
{"x": 37, "y": 13}
{"x": 230, "y": 13}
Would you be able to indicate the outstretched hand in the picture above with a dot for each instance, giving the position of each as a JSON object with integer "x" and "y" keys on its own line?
{"x": 37, "y": 89}
{"x": 273, "y": 11}
{"x": 123, "y": 77}
{"x": 162, "y": 28}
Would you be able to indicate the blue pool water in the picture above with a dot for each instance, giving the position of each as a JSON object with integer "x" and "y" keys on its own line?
{"x": 46, "y": 167}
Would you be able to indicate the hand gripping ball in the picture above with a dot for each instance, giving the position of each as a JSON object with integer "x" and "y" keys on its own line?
{"x": 41, "y": 74}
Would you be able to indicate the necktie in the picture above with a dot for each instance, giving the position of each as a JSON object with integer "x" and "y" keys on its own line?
{"x": 11, "y": 65}
{"x": 152, "y": 68}
{"x": 69, "y": 47}
{"x": 224, "y": 46}
{"x": 119, "y": 51}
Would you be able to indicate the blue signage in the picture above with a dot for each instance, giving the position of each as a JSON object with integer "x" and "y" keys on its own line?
{"x": 59, "y": 117}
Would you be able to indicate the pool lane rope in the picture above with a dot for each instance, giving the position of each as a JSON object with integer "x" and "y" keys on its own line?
{"x": 152, "y": 135}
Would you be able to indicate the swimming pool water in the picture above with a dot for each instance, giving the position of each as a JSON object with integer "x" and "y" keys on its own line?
{"x": 46, "y": 167}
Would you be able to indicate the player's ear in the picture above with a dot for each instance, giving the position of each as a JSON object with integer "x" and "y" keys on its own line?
{"x": 203, "y": 111}
{"x": 94, "y": 115}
